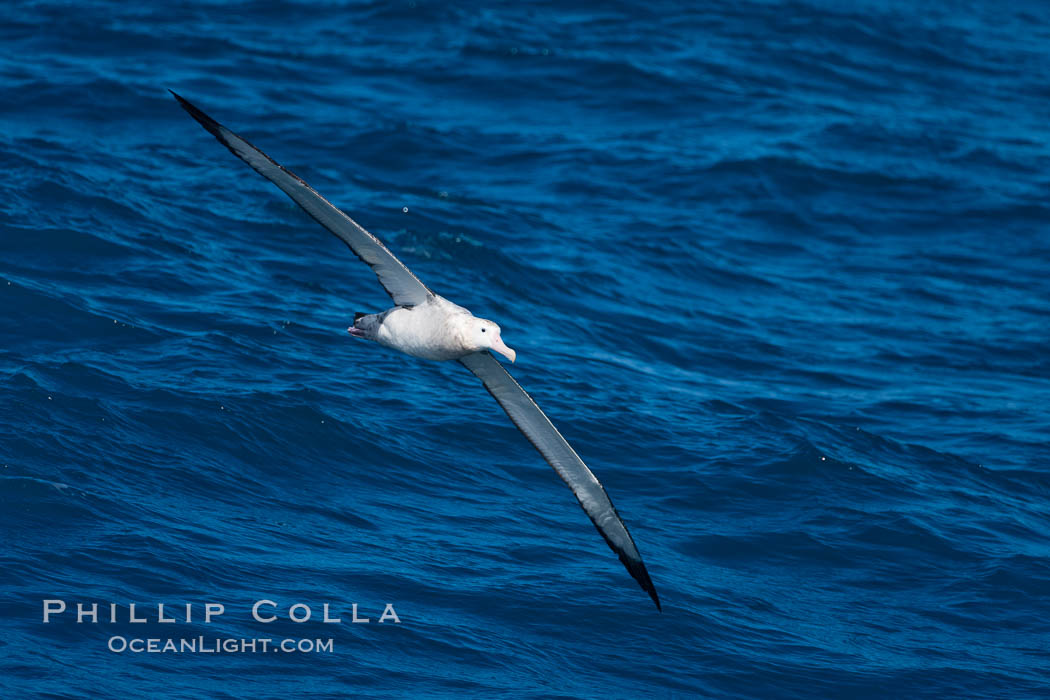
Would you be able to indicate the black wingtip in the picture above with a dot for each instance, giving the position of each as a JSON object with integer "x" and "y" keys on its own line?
{"x": 203, "y": 119}
{"x": 641, "y": 575}
{"x": 635, "y": 566}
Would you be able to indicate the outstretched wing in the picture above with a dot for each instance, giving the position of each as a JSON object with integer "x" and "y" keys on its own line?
{"x": 402, "y": 286}
{"x": 546, "y": 438}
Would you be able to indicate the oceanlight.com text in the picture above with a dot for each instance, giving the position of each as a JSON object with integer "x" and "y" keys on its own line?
{"x": 218, "y": 645}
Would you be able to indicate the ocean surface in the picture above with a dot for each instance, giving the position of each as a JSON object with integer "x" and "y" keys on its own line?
{"x": 779, "y": 271}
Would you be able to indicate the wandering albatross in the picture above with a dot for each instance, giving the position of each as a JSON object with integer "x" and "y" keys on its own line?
{"x": 426, "y": 325}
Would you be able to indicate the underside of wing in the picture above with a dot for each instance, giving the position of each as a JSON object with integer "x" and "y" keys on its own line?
{"x": 403, "y": 286}
{"x": 525, "y": 414}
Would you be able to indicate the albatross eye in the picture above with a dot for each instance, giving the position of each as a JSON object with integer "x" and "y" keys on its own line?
{"x": 482, "y": 330}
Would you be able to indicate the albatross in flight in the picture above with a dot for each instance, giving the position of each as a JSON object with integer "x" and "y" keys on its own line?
{"x": 426, "y": 325}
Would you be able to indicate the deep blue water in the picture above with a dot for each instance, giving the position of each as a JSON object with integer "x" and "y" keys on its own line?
{"x": 778, "y": 271}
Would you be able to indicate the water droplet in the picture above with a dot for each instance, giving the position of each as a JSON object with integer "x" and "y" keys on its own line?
{"x": 404, "y": 210}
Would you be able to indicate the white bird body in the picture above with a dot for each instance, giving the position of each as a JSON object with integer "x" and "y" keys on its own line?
{"x": 429, "y": 326}
{"x": 437, "y": 329}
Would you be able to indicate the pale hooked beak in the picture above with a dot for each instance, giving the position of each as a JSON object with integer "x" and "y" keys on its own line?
{"x": 502, "y": 349}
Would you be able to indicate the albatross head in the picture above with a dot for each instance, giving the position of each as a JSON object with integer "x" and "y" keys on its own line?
{"x": 484, "y": 335}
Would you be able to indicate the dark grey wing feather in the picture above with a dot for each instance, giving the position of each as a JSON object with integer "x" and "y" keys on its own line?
{"x": 546, "y": 438}
{"x": 404, "y": 287}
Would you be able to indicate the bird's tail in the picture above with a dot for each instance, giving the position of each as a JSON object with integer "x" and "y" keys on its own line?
{"x": 365, "y": 326}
